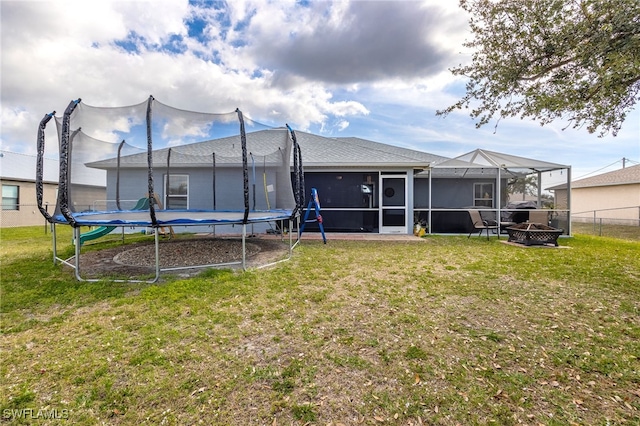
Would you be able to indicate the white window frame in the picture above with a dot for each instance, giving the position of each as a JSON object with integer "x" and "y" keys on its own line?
{"x": 11, "y": 203}
{"x": 168, "y": 196}
{"x": 481, "y": 202}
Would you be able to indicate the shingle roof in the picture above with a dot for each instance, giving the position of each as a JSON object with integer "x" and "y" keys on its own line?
{"x": 356, "y": 152}
{"x": 626, "y": 176}
{"x": 317, "y": 151}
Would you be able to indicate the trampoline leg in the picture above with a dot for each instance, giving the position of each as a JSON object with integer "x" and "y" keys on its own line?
{"x": 290, "y": 238}
{"x": 55, "y": 243}
{"x": 76, "y": 236}
{"x": 244, "y": 251}
{"x": 157, "y": 243}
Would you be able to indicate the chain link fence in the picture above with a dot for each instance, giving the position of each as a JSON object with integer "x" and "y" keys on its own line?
{"x": 617, "y": 223}
{"x": 24, "y": 215}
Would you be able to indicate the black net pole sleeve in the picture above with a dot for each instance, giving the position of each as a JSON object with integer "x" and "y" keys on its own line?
{"x": 245, "y": 169}
{"x": 65, "y": 149}
{"x": 253, "y": 179}
{"x": 299, "y": 198}
{"x": 299, "y": 170}
{"x": 118, "y": 176}
{"x": 40, "y": 166}
{"x": 264, "y": 179}
{"x": 167, "y": 183}
{"x": 152, "y": 209}
{"x": 296, "y": 177}
{"x": 214, "y": 180}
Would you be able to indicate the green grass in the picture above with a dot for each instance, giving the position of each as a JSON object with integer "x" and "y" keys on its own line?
{"x": 447, "y": 330}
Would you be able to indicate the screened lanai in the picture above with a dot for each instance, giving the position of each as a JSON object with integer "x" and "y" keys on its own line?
{"x": 489, "y": 182}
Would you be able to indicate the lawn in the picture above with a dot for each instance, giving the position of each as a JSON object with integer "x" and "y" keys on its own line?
{"x": 444, "y": 330}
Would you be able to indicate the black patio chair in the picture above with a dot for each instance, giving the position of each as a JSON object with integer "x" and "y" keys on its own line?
{"x": 480, "y": 224}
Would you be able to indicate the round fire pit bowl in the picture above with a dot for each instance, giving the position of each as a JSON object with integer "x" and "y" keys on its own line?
{"x": 534, "y": 234}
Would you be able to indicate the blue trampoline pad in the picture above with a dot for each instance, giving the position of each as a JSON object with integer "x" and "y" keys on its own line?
{"x": 174, "y": 217}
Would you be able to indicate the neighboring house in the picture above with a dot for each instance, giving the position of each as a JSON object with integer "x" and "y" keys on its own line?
{"x": 612, "y": 195}
{"x": 19, "y": 206}
{"x": 17, "y": 173}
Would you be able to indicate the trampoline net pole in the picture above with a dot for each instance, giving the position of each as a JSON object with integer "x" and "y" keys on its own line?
{"x": 167, "y": 186}
{"x": 245, "y": 170}
{"x": 152, "y": 210}
{"x": 40, "y": 166}
{"x": 118, "y": 176}
{"x": 65, "y": 156}
{"x": 214, "y": 179}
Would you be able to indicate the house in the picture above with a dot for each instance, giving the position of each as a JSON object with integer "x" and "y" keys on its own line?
{"x": 363, "y": 186}
{"x": 611, "y": 196}
{"x": 199, "y": 163}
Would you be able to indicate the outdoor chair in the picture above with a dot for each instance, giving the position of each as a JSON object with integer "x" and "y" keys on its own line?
{"x": 480, "y": 224}
{"x": 539, "y": 216}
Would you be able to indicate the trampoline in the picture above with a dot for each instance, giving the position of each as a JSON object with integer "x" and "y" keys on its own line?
{"x": 193, "y": 169}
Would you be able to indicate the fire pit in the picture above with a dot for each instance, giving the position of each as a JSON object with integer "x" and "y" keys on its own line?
{"x": 534, "y": 234}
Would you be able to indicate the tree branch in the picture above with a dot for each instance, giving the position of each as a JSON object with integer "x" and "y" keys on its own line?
{"x": 547, "y": 69}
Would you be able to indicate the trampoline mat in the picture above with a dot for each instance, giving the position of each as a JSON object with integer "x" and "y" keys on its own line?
{"x": 174, "y": 217}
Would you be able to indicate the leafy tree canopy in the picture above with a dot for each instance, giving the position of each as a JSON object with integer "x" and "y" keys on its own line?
{"x": 527, "y": 185}
{"x": 575, "y": 60}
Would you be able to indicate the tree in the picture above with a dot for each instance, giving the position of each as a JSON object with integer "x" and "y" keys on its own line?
{"x": 575, "y": 60}
{"x": 526, "y": 185}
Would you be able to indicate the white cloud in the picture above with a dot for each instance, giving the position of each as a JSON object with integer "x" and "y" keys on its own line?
{"x": 377, "y": 68}
{"x": 342, "y": 125}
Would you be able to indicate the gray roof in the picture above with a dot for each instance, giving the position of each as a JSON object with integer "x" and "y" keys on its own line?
{"x": 317, "y": 151}
{"x": 626, "y": 176}
{"x": 227, "y": 151}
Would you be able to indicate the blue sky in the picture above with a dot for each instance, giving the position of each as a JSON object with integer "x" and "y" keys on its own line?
{"x": 372, "y": 69}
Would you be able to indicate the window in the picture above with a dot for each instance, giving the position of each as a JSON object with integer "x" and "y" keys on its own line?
{"x": 177, "y": 193}
{"x": 344, "y": 190}
{"x": 10, "y": 197}
{"x": 483, "y": 194}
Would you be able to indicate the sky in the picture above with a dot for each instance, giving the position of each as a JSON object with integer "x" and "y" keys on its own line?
{"x": 376, "y": 70}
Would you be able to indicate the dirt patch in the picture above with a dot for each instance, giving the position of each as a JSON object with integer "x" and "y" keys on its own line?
{"x": 139, "y": 258}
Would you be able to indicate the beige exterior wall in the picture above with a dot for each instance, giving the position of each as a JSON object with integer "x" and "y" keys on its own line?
{"x": 560, "y": 199}
{"x": 28, "y": 213}
{"x": 611, "y": 202}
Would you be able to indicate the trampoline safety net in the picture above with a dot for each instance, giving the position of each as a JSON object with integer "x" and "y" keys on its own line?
{"x": 153, "y": 165}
